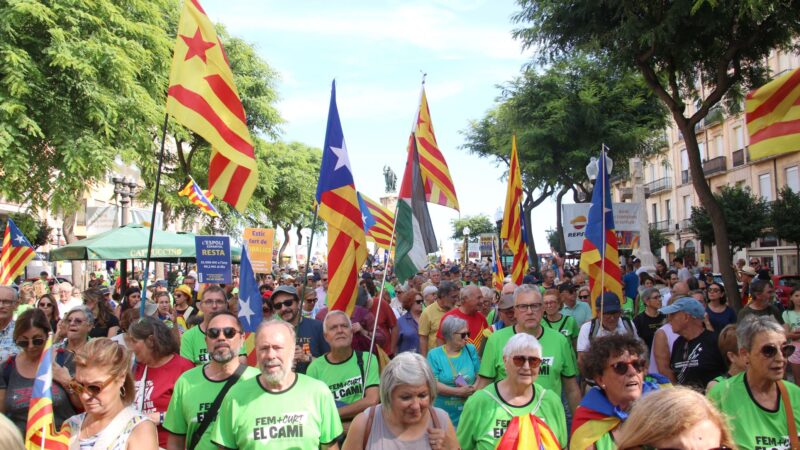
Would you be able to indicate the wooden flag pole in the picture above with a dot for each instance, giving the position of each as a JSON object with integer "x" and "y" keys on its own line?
{"x": 308, "y": 258}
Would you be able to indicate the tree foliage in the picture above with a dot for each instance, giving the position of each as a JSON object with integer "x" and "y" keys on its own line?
{"x": 478, "y": 225}
{"x": 553, "y": 238}
{"x": 747, "y": 217}
{"x": 36, "y": 231}
{"x": 658, "y": 239}
{"x": 784, "y": 210}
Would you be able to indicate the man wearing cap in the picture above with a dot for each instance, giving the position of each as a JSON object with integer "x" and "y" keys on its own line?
{"x": 580, "y": 311}
{"x": 505, "y": 312}
{"x": 193, "y": 342}
{"x": 432, "y": 316}
{"x": 696, "y": 358}
{"x": 609, "y": 320}
{"x": 746, "y": 275}
{"x": 310, "y": 338}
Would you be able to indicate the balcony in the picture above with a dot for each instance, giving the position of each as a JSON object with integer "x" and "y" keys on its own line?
{"x": 714, "y": 166}
{"x": 741, "y": 157}
{"x": 664, "y": 225}
{"x": 684, "y": 224}
{"x": 656, "y": 186}
{"x": 715, "y": 115}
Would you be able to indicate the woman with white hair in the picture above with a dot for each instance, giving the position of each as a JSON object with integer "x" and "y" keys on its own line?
{"x": 761, "y": 407}
{"x": 488, "y": 413}
{"x": 406, "y": 417}
{"x": 455, "y": 366}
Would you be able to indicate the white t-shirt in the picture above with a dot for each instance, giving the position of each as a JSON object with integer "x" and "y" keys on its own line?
{"x": 671, "y": 337}
{"x": 583, "y": 334}
{"x": 64, "y": 308}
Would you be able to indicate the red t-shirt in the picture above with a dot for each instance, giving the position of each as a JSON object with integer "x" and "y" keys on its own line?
{"x": 386, "y": 321}
{"x": 476, "y": 323}
{"x": 159, "y": 383}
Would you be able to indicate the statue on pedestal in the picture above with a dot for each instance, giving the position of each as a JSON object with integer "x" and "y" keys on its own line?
{"x": 390, "y": 179}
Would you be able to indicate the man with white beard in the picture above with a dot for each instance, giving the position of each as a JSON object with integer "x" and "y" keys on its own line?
{"x": 196, "y": 390}
{"x": 278, "y": 409}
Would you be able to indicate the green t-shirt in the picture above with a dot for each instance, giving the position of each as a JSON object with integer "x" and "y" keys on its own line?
{"x": 754, "y": 427}
{"x": 490, "y": 318}
{"x": 344, "y": 378}
{"x": 484, "y": 421}
{"x": 192, "y": 396}
{"x": 558, "y": 358}
{"x": 566, "y": 325}
{"x": 193, "y": 346}
{"x": 301, "y": 417}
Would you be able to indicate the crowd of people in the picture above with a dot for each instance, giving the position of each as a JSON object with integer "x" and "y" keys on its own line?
{"x": 448, "y": 359}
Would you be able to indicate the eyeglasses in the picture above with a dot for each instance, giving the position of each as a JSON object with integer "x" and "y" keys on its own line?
{"x": 214, "y": 302}
{"x": 533, "y": 361}
{"x": 419, "y": 301}
{"x": 228, "y": 332}
{"x": 93, "y": 390}
{"x": 771, "y": 350}
{"x": 280, "y": 305}
{"x": 37, "y": 342}
{"x": 463, "y": 335}
{"x": 621, "y": 367}
{"x": 45, "y": 305}
{"x": 714, "y": 290}
{"x": 7, "y": 302}
{"x": 529, "y": 307}
{"x": 75, "y": 321}
{"x": 311, "y": 300}
{"x": 583, "y": 296}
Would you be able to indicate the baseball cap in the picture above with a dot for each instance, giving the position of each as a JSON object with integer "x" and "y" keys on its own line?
{"x": 610, "y": 303}
{"x": 747, "y": 270}
{"x": 689, "y": 305}
{"x": 291, "y": 290}
{"x": 454, "y": 269}
{"x": 528, "y": 279}
{"x": 104, "y": 290}
{"x": 506, "y": 301}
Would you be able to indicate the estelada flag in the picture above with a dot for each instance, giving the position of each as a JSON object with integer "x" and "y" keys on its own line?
{"x": 40, "y": 432}
{"x": 528, "y": 432}
{"x": 199, "y": 198}
{"x": 773, "y": 116}
{"x": 378, "y": 221}
{"x": 16, "y": 253}
{"x": 436, "y": 179}
{"x": 203, "y": 97}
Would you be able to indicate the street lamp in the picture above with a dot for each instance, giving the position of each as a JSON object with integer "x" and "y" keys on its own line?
{"x": 124, "y": 190}
{"x": 466, "y": 249}
{"x": 593, "y": 169}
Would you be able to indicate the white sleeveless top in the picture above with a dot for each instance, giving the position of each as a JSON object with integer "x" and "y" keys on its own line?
{"x": 671, "y": 337}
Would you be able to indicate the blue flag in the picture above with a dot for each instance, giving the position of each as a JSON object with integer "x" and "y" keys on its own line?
{"x": 249, "y": 296}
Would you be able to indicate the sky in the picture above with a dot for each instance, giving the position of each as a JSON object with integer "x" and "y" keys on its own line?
{"x": 377, "y": 51}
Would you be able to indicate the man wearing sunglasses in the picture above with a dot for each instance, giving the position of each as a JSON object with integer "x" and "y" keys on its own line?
{"x": 193, "y": 342}
{"x": 310, "y": 337}
{"x": 695, "y": 359}
{"x": 197, "y": 389}
{"x": 8, "y": 304}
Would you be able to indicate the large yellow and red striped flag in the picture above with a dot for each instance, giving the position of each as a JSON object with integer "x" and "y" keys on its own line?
{"x": 339, "y": 208}
{"x": 203, "y": 97}
{"x": 40, "y": 432}
{"x": 513, "y": 226}
{"x": 773, "y": 116}
{"x": 16, "y": 253}
{"x": 436, "y": 179}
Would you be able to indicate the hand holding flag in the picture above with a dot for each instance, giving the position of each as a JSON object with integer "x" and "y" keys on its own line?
{"x": 40, "y": 431}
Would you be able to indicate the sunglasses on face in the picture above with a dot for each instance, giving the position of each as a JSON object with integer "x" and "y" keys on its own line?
{"x": 280, "y": 305}
{"x": 583, "y": 296}
{"x": 45, "y": 305}
{"x": 714, "y": 290}
{"x": 37, "y": 342}
{"x": 419, "y": 301}
{"x": 228, "y": 332}
{"x": 463, "y": 335}
{"x": 771, "y": 350}
{"x": 91, "y": 389}
{"x": 621, "y": 367}
{"x": 533, "y": 361}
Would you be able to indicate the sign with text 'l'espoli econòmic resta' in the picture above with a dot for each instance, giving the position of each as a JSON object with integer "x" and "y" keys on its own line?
{"x": 213, "y": 259}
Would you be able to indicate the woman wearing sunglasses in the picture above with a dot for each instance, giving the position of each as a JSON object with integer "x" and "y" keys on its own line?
{"x": 158, "y": 366}
{"x": 758, "y": 402}
{"x": 48, "y": 304}
{"x": 719, "y": 314}
{"x": 104, "y": 384}
{"x": 488, "y": 412}
{"x": 455, "y": 366}
{"x": 408, "y": 323}
{"x": 19, "y": 372}
{"x": 675, "y": 418}
{"x": 617, "y": 365}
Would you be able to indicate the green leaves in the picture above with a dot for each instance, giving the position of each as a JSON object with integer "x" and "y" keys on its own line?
{"x": 784, "y": 210}
{"x": 478, "y": 225}
{"x": 747, "y": 216}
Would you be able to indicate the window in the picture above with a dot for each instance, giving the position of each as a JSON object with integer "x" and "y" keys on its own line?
{"x": 687, "y": 206}
{"x": 652, "y": 169}
{"x": 719, "y": 145}
{"x": 654, "y": 207}
{"x": 738, "y": 133}
{"x": 684, "y": 166}
{"x": 765, "y": 186}
{"x": 701, "y": 149}
{"x": 793, "y": 178}
{"x": 668, "y": 209}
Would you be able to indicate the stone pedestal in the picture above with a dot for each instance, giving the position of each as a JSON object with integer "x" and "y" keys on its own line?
{"x": 389, "y": 201}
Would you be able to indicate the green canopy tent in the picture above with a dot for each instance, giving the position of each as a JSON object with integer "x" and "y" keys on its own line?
{"x": 130, "y": 242}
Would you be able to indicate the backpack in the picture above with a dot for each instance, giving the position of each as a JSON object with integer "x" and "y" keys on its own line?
{"x": 594, "y": 329}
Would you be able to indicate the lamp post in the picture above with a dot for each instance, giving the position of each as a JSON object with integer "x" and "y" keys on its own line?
{"x": 124, "y": 190}
{"x": 466, "y": 245}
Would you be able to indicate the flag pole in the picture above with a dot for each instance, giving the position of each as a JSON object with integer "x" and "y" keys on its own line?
{"x": 603, "y": 212}
{"x": 153, "y": 217}
{"x": 310, "y": 242}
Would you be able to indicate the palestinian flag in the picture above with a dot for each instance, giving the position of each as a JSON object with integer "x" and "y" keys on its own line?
{"x": 414, "y": 232}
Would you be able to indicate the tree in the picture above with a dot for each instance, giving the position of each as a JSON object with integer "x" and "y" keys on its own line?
{"x": 36, "y": 231}
{"x": 689, "y": 51}
{"x": 478, "y": 225}
{"x": 658, "y": 239}
{"x": 784, "y": 209}
{"x": 746, "y": 214}
{"x": 553, "y": 238}
{"x": 562, "y": 116}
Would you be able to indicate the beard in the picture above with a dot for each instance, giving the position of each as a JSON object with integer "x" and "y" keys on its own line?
{"x": 273, "y": 377}
{"x": 223, "y": 355}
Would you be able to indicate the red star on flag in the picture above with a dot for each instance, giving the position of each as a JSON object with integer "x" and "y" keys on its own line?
{"x": 197, "y": 46}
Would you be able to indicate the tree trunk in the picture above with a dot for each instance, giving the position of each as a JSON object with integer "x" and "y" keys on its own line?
{"x": 562, "y": 245}
{"x": 285, "y": 243}
{"x": 715, "y": 213}
{"x": 69, "y": 237}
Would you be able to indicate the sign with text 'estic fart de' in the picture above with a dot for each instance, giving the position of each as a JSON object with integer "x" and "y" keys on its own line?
{"x": 259, "y": 248}
{"x": 213, "y": 259}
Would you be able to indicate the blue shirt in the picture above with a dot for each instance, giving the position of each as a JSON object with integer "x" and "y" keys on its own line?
{"x": 408, "y": 334}
{"x": 631, "y": 281}
{"x": 446, "y": 369}
{"x": 582, "y": 312}
{"x": 309, "y": 331}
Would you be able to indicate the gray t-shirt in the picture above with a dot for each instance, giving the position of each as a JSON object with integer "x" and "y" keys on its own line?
{"x": 18, "y": 396}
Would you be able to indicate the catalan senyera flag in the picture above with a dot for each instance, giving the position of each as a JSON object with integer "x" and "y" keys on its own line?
{"x": 40, "y": 412}
{"x": 528, "y": 432}
{"x": 497, "y": 268}
{"x": 339, "y": 208}
{"x": 513, "y": 223}
{"x": 17, "y": 252}
{"x": 600, "y": 254}
{"x": 378, "y": 221}
{"x": 773, "y": 116}
{"x": 203, "y": 97}
{"x": 250, "y": 303}
{"x": 436, "y": 179}
{"x": 198, "y": 197}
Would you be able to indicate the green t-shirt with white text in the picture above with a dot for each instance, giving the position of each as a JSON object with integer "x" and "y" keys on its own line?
{"x": 193, "y": 346}
{"x": 192, "y": 396}
{"x": 301, "y": 417}
{"x": 558, "y": 358}
{"x": 344, "y": 378}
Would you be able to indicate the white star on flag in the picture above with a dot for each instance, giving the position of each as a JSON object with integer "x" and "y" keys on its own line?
{"x": 46, "y": 381}
{"x": 20, "y": 239}
{"x": 341, "y": 157}
{"x": 244, "y": 309}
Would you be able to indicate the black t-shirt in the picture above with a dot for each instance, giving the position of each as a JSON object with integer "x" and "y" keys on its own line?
{"x": 646, "y": 327}
{"x": 698, "y": 361}
{"x": 101, "y": 330}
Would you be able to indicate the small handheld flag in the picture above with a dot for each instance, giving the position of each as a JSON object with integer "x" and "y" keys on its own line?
{"x": 40, "y": 431}
{"x": 17, "y": 252}
{"x": 198, "y": 197}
